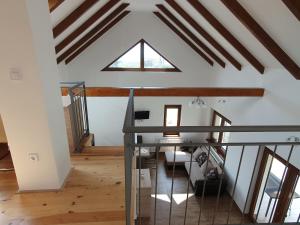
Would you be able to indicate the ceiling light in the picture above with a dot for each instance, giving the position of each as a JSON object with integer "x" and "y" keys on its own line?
{"x": 197, "y": 103}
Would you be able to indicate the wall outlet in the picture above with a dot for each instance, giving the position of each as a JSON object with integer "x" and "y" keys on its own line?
{"x": 15, "y": 74}
{"x": 33, "y": 157}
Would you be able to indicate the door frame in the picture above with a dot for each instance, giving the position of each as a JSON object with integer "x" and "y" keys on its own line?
{"x": 287, "y": 187}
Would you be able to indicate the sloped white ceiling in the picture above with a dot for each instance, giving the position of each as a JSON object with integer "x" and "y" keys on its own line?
{"x": 272, "y": 15}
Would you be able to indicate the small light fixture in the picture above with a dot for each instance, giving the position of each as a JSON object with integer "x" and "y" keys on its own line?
{"x": 222, "y": 101}
{"x": 197, "y": 103}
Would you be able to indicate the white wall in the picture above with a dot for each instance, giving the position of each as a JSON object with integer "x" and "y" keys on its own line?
{"x": 195, "y": 71}
{"x": 280, "y": 105}
{"x": 106, "y": 116}
{"x": 31, "y": 108}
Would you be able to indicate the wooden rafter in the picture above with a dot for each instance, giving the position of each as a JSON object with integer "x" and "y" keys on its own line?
{"x": 191, "y": 35}
{"x": 265, "y": 39}
{"x": 227, "y": 35}
{"x": 294, "y": 7}
{"x": 176, "y": 91}
{"x": 73, "y": 16}
{"x": 92, "y": 32}
{"x": 204, "y": 33}
{"x": 98, "y": 35}
{"x": 184, "y": 38}
{"x": 104, "y": 9}
{"x": 53, "y": 4}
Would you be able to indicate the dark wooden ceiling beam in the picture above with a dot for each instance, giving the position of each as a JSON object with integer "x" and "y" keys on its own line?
{"x": 204, "y": 33}
{"x": 191, "y": 35}
{"x": 294, "y": 7}
{"x": 265, "y": 39}
{"x": 73, "y": 16}
{"x": 53, "y": 4}
{"x": 104, "y": 9}
{"x": 184, "y": 38}
{"x": 227, "y": 35}
{"x": 172, "y": 92}
{"x": 92, "y": 32}
{"x": 98, "y": 35}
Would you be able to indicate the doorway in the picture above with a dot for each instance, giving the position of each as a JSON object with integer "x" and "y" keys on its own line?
{"x": 277, "y": 192}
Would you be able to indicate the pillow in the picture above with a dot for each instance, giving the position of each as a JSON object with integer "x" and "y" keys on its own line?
{"x": 202, "y": 158}
{"x": 212, "y": 174}
{"x": 197, "y": 152}
{"x": 206, "y": 166}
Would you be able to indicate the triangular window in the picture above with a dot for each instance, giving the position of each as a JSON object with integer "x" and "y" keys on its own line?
{"x": 141, "y": 57}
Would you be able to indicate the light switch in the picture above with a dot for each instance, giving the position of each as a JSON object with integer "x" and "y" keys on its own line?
{"x": 15, "y": 74}
{"x": 33, "y": 157}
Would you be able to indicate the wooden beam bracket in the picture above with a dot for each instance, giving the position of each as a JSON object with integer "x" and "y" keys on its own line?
{"x": 104, "y": 9}
{"x": 92, "y": 32}
{"x": 227, "y": 35}
{"x": 97, "y": 36}
{"x": 204, "y": 33}
{"x": 265, "y": 39}
{"x": 72, "y": 17}
{"x": 184, "y": 38}
{"x": 191, "y": 35}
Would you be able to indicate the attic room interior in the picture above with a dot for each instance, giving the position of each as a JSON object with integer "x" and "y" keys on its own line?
{"x": 149, "y": 112}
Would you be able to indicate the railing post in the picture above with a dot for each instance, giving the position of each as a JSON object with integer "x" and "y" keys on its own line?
{"x": 86, "y": 111}
{"x": 129, "y": 148}
{"x": 73, "y": 120}
{"x": 128, "y": 152}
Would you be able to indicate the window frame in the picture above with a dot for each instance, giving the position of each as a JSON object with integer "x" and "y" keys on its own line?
{"x": 220, "y": 149}
{"x": 142, "y": 66}
{"x": 166, "y": 107}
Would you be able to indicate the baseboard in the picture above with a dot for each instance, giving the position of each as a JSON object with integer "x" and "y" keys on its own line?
{"x": 48, "y": 190}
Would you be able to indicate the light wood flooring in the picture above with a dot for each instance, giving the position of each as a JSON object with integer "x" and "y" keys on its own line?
{"x": 93, "y": 195}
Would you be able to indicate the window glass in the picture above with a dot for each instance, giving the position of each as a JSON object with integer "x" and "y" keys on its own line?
{"x": 226, "y": 135}
{"x": 154, "y": 60}
{"x": 141, "y": 57}
{"x": 130, "y": 59}
{"x": 172, "y": 117}
{"x": 217, "y": 122}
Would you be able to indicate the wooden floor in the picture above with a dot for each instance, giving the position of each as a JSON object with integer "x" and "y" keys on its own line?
{"x": 179, "y": 201}
{"x": 93, "y": 195}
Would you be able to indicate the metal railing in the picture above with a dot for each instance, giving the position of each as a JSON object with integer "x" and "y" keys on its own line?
{"x": 134, "y": 208}
{"x": 78, "y": 112}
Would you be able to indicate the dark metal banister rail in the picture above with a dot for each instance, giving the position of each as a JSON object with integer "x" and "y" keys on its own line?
{"x": 129, "y": 116}
{"x": 78, "y": 111}
{"x": 129, "y": 126}
{"x": 128, "y": 154}
{"x": 208, "y": 129}
{"x": 232, "y": 144}
{"x": 130, "y": 130}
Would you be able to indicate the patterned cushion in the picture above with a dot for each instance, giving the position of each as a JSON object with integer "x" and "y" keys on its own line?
{"x": 202, "y": 158}
{"x": 212, "y": 174}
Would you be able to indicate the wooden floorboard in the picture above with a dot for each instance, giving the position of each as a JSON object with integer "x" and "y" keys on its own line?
{"x": 93, "y": 194}
{"x": 102, "y": 151}
{"x": 179, "y": 201}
